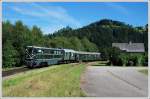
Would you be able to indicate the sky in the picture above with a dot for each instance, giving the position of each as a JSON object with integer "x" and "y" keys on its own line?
{"x": 52, "y": 16}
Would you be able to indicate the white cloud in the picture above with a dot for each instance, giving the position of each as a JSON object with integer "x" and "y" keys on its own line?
{"x": 51, "y": 29}
{"x": 50, "y": 14}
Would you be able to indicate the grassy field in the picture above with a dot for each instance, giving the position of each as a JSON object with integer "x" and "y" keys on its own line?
{"x": 59, "y": 80}
{"x": 145, "y": 71}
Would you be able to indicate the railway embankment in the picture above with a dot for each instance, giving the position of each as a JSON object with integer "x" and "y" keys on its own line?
{"x": 57, "y": 80}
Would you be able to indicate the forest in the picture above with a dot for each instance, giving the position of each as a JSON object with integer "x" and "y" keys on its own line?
{"x": 95, "y": 37}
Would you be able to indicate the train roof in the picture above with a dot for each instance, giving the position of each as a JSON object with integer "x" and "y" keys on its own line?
{"x": 66, "y": 50}
{"x": 69, "y": 50}
{"x": 80, "y": 52}
{"x": 44, "y": 47}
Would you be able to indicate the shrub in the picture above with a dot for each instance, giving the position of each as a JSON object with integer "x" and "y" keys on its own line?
{"x": 144, "y": 60}
{"x": 120, "y": 62}
{"x": 129, "y": 59}
{"x": 114, "y": 55}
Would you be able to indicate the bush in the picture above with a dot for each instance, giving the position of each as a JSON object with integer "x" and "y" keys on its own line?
{"x": 120, "y": 62}
{"x": 144, "y": 60}
{"x": 128, "y": 59}
{"x": 132, "y": 60}
{"x": 114, "y": 57}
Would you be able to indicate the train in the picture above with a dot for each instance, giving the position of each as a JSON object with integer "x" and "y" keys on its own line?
{"x": 43, "y": 56}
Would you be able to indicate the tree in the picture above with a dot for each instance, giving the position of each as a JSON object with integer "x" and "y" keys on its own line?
{"x": 37, "y": 36}
{"x": 7, "y": 29}
{"x": 114, "y": 56}
{"x": 10, "y": 55}
{"x": 76, "y": 44}
{"x": 88, "y": 46}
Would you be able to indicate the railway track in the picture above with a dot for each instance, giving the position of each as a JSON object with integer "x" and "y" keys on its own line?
{"x": 14, "y": 71}
{"x": 21, "y": 69}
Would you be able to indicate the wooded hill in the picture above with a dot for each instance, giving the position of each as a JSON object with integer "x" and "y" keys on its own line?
{"x": 105, "y": 32}
{"x": 97, "y": 36}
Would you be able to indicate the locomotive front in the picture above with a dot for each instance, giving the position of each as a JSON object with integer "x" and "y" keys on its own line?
{"x": 29, "y": 57}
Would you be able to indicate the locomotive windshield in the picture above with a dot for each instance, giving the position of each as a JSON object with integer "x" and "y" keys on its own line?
{"x": 29, "y": 52}
{"x": 37, "y": 50}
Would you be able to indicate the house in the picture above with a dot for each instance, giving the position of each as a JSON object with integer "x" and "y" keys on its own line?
{"x": 130, "y": 47}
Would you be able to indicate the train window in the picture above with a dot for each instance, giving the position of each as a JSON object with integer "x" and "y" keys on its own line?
{"x": 49, "y": 56}
{"x": 46, "y": 56}
{"x": 29, "y": 50}
{"x": 52, "y": 51}
{"x": 46, "y": 51}
{"x": 38, "y": 57}
{"x": 42, "y": 56}
{"x": 57, "y": 56}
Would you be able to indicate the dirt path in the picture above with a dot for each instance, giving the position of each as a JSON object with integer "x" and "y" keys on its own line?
{"x": 114, "y": 82}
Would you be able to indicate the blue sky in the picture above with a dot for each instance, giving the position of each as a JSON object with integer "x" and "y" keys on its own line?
{"x": 52, "y": 16}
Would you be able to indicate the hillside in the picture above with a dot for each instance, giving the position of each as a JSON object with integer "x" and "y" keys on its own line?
{"x": 104, "y": 32}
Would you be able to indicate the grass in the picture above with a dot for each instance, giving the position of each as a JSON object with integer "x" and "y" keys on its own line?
{"x": 61, "y": 80}
{"x": 145, "y": 71}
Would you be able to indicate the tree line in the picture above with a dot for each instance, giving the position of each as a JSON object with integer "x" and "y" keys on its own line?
{"x": 15, "y": 37}
{"x": 97, "y": 36}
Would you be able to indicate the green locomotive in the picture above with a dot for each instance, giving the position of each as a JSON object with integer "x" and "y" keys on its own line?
{"x": 43, "y": 56}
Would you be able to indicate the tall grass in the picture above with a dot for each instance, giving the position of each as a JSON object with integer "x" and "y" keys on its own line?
{"x": 63, "y": 80}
